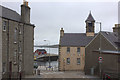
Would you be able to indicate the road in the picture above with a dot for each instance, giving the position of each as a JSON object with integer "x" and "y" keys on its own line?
{"x": 66, "y": 74}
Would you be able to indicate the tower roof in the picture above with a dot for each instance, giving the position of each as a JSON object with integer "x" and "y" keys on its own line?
{"x": 90, "y": 17}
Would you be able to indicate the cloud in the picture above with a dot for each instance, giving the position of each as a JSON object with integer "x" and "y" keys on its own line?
{"x": 49, "y": 17}
{"x": 61, "y": 0}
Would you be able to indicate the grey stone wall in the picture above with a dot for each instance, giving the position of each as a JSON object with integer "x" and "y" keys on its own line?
{"x": 10, "y": 45}
{"x": 0, "y": 48}
{"x": 17, "y": 49}
{"x": 5, "y": 48}
{"x": 28, "y": 49}
{"x": 91, "y": 58}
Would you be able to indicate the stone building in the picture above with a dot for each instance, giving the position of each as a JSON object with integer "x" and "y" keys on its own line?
{"x": 16, "y": 42}
{"x": 104, "y": 45}
{"x": 72, "y": 47}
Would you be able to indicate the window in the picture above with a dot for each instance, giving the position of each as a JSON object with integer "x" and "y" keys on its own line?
{"x": 20, "y": 57}
{"x": 68, "y": 49}
{"x": 15, "y": 57}
{"x": 20, "y": 30}
{"x": 78, "y": 50}
{"x": 15, "y": 35}
{"x": 78, "y": 60}
{"x": 4, "y": 25}
{"x": 4, "y": 68}
{"x": 19, "y": 48}
{"x": 68, "y": 60}
{"x": 20, "y": 66}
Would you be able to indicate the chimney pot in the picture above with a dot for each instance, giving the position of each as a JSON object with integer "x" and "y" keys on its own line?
{"x": 25, "y": 3}
{"x": 115, "y": 29}
{"x": 61, "y": 32}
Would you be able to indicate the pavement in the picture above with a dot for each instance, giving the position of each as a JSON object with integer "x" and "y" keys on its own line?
{"x": 66, "y": 74}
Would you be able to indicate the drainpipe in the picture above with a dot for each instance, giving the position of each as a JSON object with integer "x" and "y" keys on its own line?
{"x": 8, "y": 75}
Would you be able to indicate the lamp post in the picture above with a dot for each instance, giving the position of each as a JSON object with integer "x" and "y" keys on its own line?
{"x": 100, "y": 49}
{"x": 49, "y": 52}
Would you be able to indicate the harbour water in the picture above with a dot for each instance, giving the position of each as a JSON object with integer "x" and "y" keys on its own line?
{"x": 51, "y": 51}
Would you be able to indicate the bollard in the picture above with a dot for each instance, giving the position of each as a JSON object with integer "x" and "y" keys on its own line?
{"x": 34, "y": 71}
{"x": 52, "y": 68}
{"x": 38, "y": 72}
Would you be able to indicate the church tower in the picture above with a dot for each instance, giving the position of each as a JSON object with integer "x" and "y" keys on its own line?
{"x": 90, "y": 24}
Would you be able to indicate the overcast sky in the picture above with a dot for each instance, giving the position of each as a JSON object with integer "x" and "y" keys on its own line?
{"x": 49, "y": 17}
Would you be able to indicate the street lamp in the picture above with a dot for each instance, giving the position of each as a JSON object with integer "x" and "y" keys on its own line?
{"x": 49, "y": 51}
{"x": 100, "y": 47}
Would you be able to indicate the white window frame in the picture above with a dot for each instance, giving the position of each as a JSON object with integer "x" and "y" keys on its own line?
{"x": 77, "y": 50}
{"x": 15, "y": 57}
{"x": 3, "y": 68}
{"x": 79, "y": 61}
{"x": 67, "y": 49}
{"x": 4, "y": 26}
{"x": 68, "y": 60}
{"x": 20, "y": 30}
{"x": 19, "y": 46}
{"x": 15, "y": 35}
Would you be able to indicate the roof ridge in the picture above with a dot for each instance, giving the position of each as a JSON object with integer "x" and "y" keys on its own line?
{"x": 10, "y": 13}
{"x": 9, "y": 9}
{"x": 108, "y": 31}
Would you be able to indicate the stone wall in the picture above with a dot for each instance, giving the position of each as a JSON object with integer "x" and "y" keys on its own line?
{"x": 73, "y": 55}
{"x": 0, "y": 48}
{"x": 28, "y": 49}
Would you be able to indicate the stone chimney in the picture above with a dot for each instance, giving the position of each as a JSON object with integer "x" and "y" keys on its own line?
{"x": 61, "y": 32}
{"x": 117, "y": 26}
{"x": 25, "y": 12}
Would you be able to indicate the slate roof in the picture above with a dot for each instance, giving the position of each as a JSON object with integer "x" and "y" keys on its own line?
{"x": 9, "y": 14}
{"x": 111, "y": 36}
{"x": 75, "y": 39}
{"x": 80, "y": 39}
{"x": 90, "y": 17}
